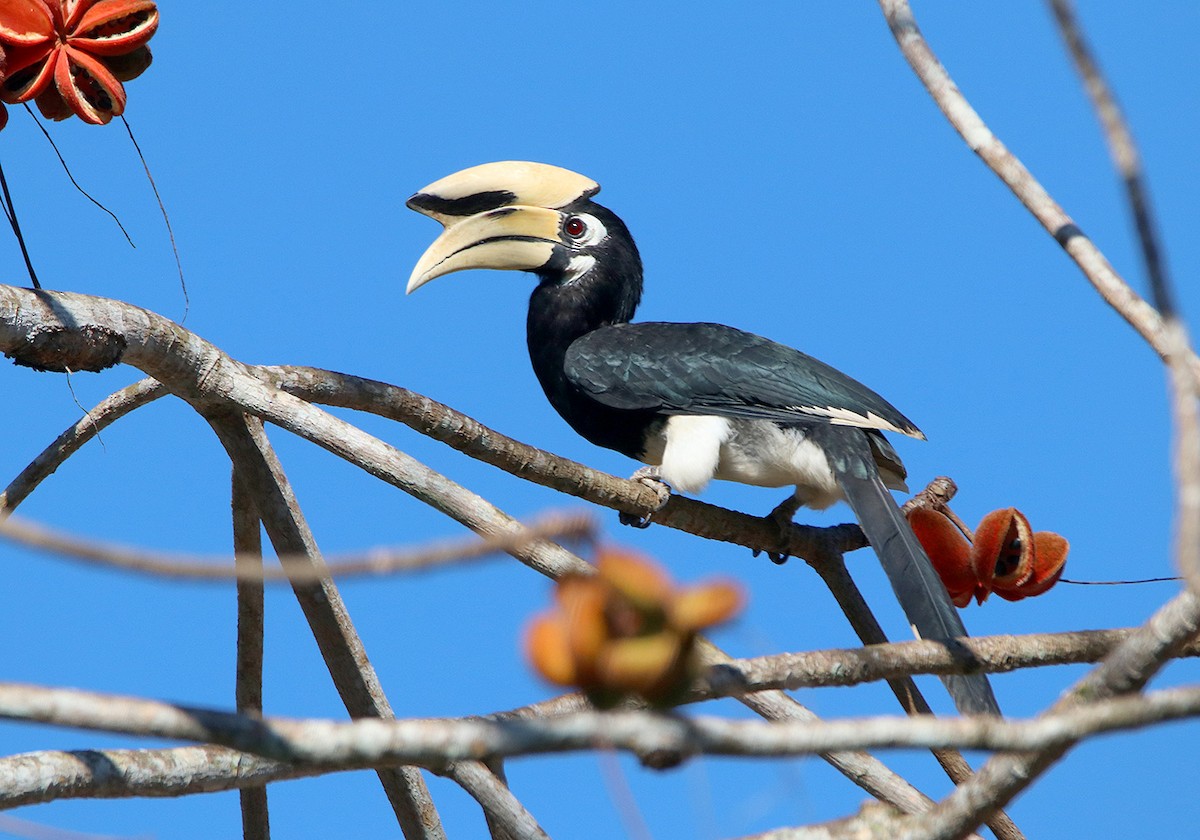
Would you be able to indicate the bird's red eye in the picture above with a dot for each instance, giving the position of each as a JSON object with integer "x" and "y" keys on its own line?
{"x": 575, "y": 227}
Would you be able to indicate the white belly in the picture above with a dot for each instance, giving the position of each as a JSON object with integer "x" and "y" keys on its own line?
{"x": 693, "y": 450}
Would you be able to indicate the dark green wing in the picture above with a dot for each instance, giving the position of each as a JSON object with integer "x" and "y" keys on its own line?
{"x": 714, "y": 369}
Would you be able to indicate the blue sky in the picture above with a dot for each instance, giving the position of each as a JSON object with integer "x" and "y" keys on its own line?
{"x": 782, "y": 171}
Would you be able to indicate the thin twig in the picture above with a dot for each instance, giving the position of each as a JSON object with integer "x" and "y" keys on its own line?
{"x": 979, "y": 138}
{"x": 109, "y": 410}
{"x": 621, "y": 795}
{"x": 375, "y": 562}
{"x": 1182, "y": 376}
{"x": 162, "y": 208}
{"x": 67, "y": 170}
{"x": 1131, "y": 582}
{"x": 11, "y": 212}
{"x": 1123, "y": 150}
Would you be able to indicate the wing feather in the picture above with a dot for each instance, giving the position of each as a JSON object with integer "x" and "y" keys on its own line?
{"x": 715, "y": 369}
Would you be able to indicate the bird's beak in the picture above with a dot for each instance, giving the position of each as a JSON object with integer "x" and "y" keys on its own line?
{"x": 506, "y": 183}
{"x": 515, "y": 238}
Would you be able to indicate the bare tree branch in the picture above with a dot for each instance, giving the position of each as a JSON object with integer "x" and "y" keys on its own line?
{"x": 261, "y": 477}
{"x": 1183, "y": 376}
{"x": 44, "y": 330}
{"x": 248, "y": 688}
{"x": 482, "y": 443}
{"x": 112, "y": 408}
{"x": 1129, "y": 667}
{"x": 39, "y": 777}
{"x": 378, "y": 561}
{"x": 1121, "y": 147}
{"x": 110, "y": 774}
{"x": 507, "y": 818}
{"x": 860, "y": 767}
{"x": 1095, "y": 266}
{"x": 852, "y": 666}
{"x": 872, "y": 822}
{"x": 1186, "y": 415}
{"x": 833, "y": 572}
{"x": 822, "y": 547}
{"x": 56, "y": 331}
{"x": 375, "y": 742}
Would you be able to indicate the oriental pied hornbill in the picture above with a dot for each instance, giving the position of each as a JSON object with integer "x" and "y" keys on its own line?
{"x": 695, "y": 401}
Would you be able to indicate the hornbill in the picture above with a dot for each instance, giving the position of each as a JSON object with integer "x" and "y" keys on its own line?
{"x": 693, "y": 401}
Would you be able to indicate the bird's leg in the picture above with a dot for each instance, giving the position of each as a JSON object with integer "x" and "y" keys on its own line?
{"x": 651, "y": 476}
{"x": 782, "y": 517}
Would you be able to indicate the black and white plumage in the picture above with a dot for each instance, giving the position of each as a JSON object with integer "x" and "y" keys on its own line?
{"x": 694, "y": 401}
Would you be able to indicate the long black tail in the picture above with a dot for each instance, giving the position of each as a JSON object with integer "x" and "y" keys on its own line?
{"x": 916, "y": 583}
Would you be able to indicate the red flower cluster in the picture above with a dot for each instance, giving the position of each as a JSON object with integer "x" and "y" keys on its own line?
{"x": 626, "y": 631}
{"x": 1006, "y": 557}
{"x": 71, "y": 56}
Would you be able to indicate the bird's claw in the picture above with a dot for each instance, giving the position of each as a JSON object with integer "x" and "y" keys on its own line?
{"x": 652, "y": 478}
{"x": 781, "y": 516}
{"x": 633, "y": 520}
{"x": 776, "y": 557}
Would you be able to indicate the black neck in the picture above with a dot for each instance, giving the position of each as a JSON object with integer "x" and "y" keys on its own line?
{"x": 561, "y": 312}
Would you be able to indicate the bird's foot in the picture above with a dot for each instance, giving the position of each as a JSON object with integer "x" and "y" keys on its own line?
{"x": 781, "y": 517}
{"x": 652, "y": 478}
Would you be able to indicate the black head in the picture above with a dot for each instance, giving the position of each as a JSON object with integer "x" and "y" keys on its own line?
{"x": 537, "y": 218}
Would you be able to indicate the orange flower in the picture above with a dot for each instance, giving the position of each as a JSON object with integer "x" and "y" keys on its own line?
{"x": 85, "y": 47}
{"x": 1007, "y": 557}
{"x": 626, "y": 631}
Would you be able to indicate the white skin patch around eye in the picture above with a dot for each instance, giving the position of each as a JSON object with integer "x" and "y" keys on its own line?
{"x": 595, "y": 233}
